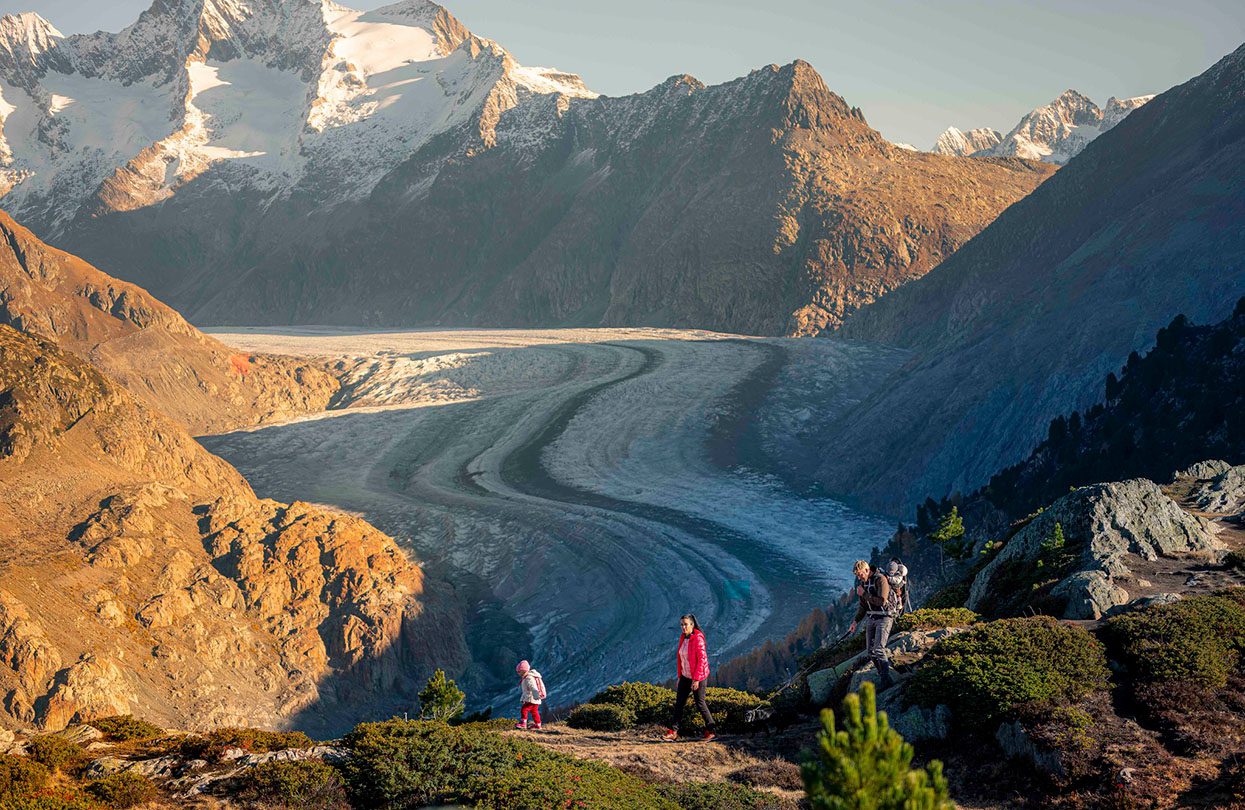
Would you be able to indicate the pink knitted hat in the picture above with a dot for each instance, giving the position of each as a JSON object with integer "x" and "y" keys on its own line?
{"x": 522, "y": 667}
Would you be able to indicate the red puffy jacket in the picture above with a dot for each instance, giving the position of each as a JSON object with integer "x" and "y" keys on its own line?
{"x": 697, "y": 657}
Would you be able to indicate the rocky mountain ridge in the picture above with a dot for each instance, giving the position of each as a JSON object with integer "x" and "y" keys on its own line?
{"x": 141, "y": 574}
{"x": 293, "y": 160}
{"x": 1023, "y": 323}
{"x": 145, "y": 345}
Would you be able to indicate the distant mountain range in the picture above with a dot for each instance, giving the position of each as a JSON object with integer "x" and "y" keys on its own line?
{"x": 1023, "y": 322}
{"x": 1055, "y": 132}
{"x": 299, "y": 162}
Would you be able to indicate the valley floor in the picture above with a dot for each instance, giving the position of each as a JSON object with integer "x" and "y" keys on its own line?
{"x": 581, "y": 488}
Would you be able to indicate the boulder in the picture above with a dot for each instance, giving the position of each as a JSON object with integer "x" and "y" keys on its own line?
{"x": 1203, "y": 470}
{"x": 1090, "y": 595}
{"x": 1017, "y": 744}
{"x": 1104, "y": 526}
{"x": 821, "y": 685}
{"x": 1224, "y": 494}
{"x": 918, "y": 724}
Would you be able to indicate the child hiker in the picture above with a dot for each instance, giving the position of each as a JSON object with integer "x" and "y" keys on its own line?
{"x": 532, "y": 691}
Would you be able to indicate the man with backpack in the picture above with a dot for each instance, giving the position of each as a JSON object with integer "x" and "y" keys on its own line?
{"x": 882, "y": 592}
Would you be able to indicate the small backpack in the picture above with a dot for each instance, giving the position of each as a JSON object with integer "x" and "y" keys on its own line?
{"x": 540, "y": 686}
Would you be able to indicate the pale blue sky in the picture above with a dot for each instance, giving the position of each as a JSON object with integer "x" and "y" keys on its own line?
{"x": 913, "y": 67}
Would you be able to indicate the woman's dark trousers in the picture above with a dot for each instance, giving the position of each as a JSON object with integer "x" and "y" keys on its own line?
{"x": 680, "y": 698}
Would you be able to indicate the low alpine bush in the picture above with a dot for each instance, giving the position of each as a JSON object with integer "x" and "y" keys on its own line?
{"x": 50, "y": 798}
{"x": 988, "y": 671}
{"x": 654, "y": 705}
{"x": 412, "y": 763}
{"x": 719, "y": 796}
{"x": 1200, "y": 639}
{"x": 602, "y": 717}
{"x": 565, "y": 782}
{"x": 126, "y": 728}
{"x": 301, "y": 785}
{"x": 213, "y": 745}
{"x": 56, "y": 752}
{"x": 649, "y": 703}
{"x": 418, "y": 762}
{"x": 122, "y": 790}
{"x": 935, "y": 619}
{"x": 777, "y": 773}
{"x": 20, "y": 775}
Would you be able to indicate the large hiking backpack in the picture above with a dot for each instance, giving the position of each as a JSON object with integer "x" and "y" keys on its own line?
{"x": 896, "y": 574}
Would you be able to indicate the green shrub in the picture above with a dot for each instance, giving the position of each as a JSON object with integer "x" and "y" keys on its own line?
{"x": 121, "y": 790}
{"x": 602, "y": 717}
{"x": 303, "y": 785}
{"x": 21, "y": 775}
{"x": 718, "y": 796}
{"x": 867, "y": 765}
{"x": 441, "y": 699}
{"x": 777, "y": 773}
{"x": 1199, "y": 639}
{"x": 126, "y": 728}
{"x": 985, "y": 673}
{"x": 414, "y": 762}
{"x": 952, "y": 596}
{"x": 213, "y": 745}
{"x": 411, "y": 763}
{"x": 565, "y": 782}
{"x": 56, "y": 752}
{"x": 935, "y": 619}
{"x": 650, "y": 704}
{"x": 49, "y": 798}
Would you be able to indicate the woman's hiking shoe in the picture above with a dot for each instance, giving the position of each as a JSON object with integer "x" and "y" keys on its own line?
{"x": 708, "y": 736}
{"x": 670, "y": 736}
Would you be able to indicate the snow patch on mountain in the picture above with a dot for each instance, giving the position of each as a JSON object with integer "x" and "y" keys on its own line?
{"x": 249, "y": 111}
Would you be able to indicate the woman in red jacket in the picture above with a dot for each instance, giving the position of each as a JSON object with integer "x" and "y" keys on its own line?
{"x": 693, "y": 668}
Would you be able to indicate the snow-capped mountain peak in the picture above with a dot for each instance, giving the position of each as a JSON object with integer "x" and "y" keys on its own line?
{"x": 1054, "y": 132}
{"x": 27, "y": 33}
{"x": 272, "y": 95}
{"x": 1117, "y": 108}
{"x": 956, "y": 142}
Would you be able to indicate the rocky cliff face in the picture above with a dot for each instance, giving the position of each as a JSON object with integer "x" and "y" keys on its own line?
{"x": 145, "y": 345}
{"x": 1023, "y": 323}
{"x": 297, "y": 162}
{"x": 142, "y": 575}
{"x": 1104, "y": 531}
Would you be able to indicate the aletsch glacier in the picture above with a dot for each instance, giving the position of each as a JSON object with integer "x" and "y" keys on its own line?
{"x": 571, "y": 471}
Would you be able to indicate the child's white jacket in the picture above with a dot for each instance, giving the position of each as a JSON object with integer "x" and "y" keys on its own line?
{"x": 530, "y": 688}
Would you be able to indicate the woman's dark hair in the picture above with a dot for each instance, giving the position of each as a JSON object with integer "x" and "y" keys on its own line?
{"x": 692, "y": 616}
